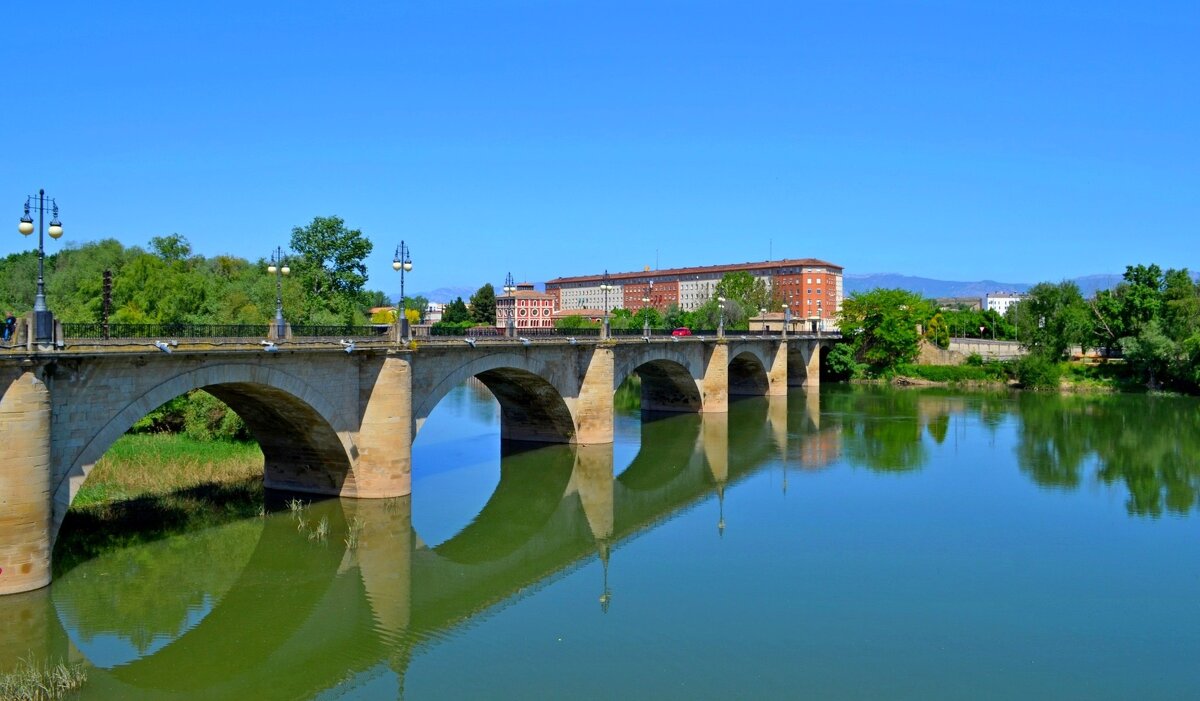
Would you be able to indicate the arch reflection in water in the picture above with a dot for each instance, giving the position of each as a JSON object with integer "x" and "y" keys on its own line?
{"x": 262, "y": 608}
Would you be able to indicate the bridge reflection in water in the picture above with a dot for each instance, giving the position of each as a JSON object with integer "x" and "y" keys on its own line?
{"x": 259, "y": 609}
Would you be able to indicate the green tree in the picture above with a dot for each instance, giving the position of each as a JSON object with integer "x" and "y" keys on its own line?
{"x": 420, "y": 303}
{"x": 456, "y": 312}
{"x": 329, "y": 265}
{"x": 171, "y": 248}
{"x": 748, "y": 292}
{"x": 1053, "y": 318}
{"x": 881, "y": 327}
{"x": 937, "y": 332}
{"x": 483, "y": 305}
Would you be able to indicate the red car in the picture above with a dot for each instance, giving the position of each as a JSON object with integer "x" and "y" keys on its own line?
{"x": 682, "y": 331}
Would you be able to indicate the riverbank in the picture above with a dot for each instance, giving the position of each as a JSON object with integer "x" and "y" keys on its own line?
{"x": 148, "y": 486}
{"x": 1075, "y": 377}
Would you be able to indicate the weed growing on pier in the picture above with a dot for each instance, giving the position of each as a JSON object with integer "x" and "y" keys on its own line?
{"x": 32, "y": 681}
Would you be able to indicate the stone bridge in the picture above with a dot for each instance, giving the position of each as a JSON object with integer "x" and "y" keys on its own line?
{"x": 342, "y": 424}
{"x": 394, "y": 584}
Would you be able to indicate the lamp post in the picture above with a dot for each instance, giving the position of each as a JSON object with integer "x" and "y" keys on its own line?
{"x": 762, "y": 313}
{"x": 605, "y": 287}
{"x": 720, "y": 317}
{"x": 43, "y": 319}
{"x": 278, "y": 268}
{"x": 787, "y": 318}
{"x": 403, "y": 263}
{"x": 645, "y": 309}
{"x": 510, "y": 310}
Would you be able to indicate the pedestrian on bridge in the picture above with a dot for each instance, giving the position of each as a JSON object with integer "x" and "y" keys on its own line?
{"x": 10, "y": 327}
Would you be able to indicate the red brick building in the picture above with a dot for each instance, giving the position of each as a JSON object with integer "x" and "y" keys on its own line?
{"x": 812, "y": 288}
{"x": 528, "y": 308}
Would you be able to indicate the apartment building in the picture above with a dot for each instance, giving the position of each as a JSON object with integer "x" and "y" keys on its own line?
{"x": 812, "y": 288}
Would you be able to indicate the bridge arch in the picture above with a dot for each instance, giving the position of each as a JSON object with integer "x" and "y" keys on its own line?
{"x": 748, "y": 371}
{"x": 292, "y": 422}
{"x": 670, "y": 378}
{"x": 531, "y": 407}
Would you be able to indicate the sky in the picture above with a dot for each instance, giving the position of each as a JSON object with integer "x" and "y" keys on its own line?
{"x": 1014, "y": 141}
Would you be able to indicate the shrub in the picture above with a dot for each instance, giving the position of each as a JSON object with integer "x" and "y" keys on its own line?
{"x": 975, "y": 360}
{"x": 1036, "y": 371}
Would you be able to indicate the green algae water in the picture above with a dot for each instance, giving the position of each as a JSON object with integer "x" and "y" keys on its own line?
{"x": 859, "y": 543}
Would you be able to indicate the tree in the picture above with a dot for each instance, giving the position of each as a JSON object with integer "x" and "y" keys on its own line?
{"x": 420, "y": 303}
{"x": 456, "y": 312}
{"x": 483, "y": 305}
{"x": 1054, "y": 318}
{"x": 881, "y": 327}
{"x": 750, "y": 293}
{"x": 171, "y": 248}
{"x": 330, "y": 265}
{"x": 937, "y": 332}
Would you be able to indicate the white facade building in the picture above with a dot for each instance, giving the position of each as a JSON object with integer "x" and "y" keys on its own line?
{"x": 999, "y": 302}
{"x": 590, "y": 296}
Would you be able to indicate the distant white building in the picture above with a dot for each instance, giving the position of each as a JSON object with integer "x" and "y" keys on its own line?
{"x": 999, "y": 302}
{"x": 433, "y": 312}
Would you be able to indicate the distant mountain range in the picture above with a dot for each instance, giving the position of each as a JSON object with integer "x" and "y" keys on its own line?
{"x": 444, "y": 294}
{"x": 1088, "y": 285}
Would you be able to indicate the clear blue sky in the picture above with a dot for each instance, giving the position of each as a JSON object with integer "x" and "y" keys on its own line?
{"x": 1018, "y": 141}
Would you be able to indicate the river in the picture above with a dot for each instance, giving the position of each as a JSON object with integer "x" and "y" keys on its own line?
{"x": 863, "y": 543}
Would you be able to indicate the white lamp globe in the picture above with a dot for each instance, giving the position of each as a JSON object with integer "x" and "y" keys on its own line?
{"x": 26, "y": 226}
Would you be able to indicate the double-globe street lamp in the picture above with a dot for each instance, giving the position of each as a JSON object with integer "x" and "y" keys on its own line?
{"x": 646, "y": 300}
{"x": 510, "y": 310}
{"x": 605, "y": 287}
{"x": 43, "y": 319}
{"x": 403, "y": 263}
{"x": 720, "y": 317}
{"x": 278, "y": 267}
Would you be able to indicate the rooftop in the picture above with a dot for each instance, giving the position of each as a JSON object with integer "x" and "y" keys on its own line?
{"x": 727, "y": 268}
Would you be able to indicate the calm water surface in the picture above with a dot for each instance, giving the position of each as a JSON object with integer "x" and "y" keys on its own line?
{"x": 859, "y": 544}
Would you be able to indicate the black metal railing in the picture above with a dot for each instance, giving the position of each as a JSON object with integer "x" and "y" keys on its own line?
{"x": 330, "y": 331}
{"x": 469, "y": 332}
{"x": 99, "y": 331}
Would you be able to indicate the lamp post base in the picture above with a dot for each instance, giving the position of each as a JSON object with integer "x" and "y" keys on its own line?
{"x": 43, "y": 325}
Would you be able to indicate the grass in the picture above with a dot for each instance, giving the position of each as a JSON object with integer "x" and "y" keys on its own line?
{"x": 32, "y": 681}
{"x": 986, "y": 372}
{"x": 149, "y": 486}
{"x": 142, "y": 465}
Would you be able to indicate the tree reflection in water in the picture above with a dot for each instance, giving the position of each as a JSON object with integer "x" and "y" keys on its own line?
{"x": 1150, "y": 445}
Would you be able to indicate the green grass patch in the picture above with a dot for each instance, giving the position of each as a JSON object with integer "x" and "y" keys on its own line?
{"x": 985, "y": 372}
{"x": 161, "y": 463}
{"x": 150, "y": 486}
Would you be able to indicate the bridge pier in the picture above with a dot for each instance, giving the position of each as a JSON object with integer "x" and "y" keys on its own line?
{"x": 714, "y": 388}
{"x": 593, "y": 408}
{"x": 25, "y": 470}
{"x": 382, "y": 455}
{"x": 777, "y": 374}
